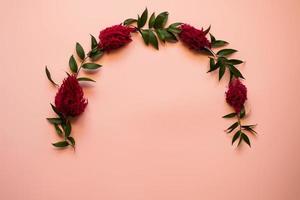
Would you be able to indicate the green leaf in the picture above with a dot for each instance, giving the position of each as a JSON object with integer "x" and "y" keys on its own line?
{"x": 67, "y": 128}
{"x": 153, "y": 39}
{"x": 231, "y": 115}
{"x": 55, "y": 120}
{"x": 236, "y": 136}
{"x": 61, "y": 144}
{"x": 71, "y": 139}
{"x": 221, "y": 71}
{"x": 207, "y": 51}
{"x": 145, "y": 36}
{"x": 226, "y": 52}
{"x": 151, "y": 20}
{"x": 80, "y": 51}
{"x": 95, "y": 55}
{"x": 249, "y": 128}
{"x": 174, "y": 30}
{"x": 91, "y": 66}
{"x": 170, "y": 37}
{"x": 161, "y": 34}
{"x": 235, "y": 61}
{"x": 232, "y": 127}
{"x": 143, "y": 19}
{"x": 94, "y": 42}
{"x": 242, "y": 112}
{"x": 161, "y": 20}
{"x": 58, "y": 130}
{"x": 85, "y": 79}
{"x": 236, "y": 73}
{"x": 207, "y": 30}
{"x": 174, "y": 25}
{"x": 219, "y": 43}
{"x": 212, "y": 65}
{"x": 129, "y": 21}
{"x": 212, "y": 38}
{"x": 246, "y": 139}
{"x": 73, "y": 64}
{"x": 49, "y": 76}
{"x": 55, "y": 110}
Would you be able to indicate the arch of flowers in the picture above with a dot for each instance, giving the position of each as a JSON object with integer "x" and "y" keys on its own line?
{"x": 70, "y": 101}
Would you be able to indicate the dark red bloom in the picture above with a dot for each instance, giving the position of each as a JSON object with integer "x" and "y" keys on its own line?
{"x": 236, "y": 95}
{"x": 193, "y": 38}
{"x": 115, "y": 37}
{"x": 69, "y": 99}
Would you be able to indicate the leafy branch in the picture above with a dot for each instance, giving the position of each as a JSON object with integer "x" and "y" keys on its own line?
{"x": 240, "y": 129}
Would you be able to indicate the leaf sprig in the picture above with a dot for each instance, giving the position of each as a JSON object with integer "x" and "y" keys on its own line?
{"x": 156, "y": 28}
{"x": 241, "y": 130}
{"x": 221, "y": 61}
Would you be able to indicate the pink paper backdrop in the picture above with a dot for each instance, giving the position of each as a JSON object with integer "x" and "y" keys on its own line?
{"x": 153, "y": 128}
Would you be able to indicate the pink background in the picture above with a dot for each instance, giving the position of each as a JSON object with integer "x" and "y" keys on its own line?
{"x": 153, "y": 128}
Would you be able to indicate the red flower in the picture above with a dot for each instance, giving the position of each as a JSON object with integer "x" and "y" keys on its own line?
{"x": 193, "y": 38}
{"x": 69, "y": 99}
{"x": 115, "y": 37}
{"x": 236, "y": 95}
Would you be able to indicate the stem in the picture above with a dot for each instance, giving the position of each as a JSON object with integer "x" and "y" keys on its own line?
{"x": 81, "y": 64}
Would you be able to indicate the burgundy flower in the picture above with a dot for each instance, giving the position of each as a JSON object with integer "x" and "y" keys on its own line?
{"x": 193, "y": 38}
{"x": 236, "y": 95}
{"x": 115, "y": 37}
{"x": 69, "y": 99}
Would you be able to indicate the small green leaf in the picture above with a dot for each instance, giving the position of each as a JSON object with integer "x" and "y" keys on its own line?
{"x": 95, "y": 55}
{"x": 207, "y": 30}
{"x": 161, "y": 20}
{"x": 61, "y": 144}
{"x": 212, "y": 65}
{"x": 232, "y": 127}
{"x": 145, "y": 36}
{"x": 236, "y": 136}
{"x": 80, "y": 51}
{"x": 212, "y": 38}
{"x": 236, "y": 73}
{"x": 249, "y": 128}
{"x": 161, "y": 34}
{"x": 55, "y": 120}
{"x": 94, "y": 42}
{"x": 49, "y": 76}
{"x": 174, "y": 25}
{"x": 153, "y": 39}
{"x": 219, "y": 43}
{"x": 71, "y": 139}
{"x": 235, "y": 61}
{"x": 67, "y": 128}
{"x": 91, "y": 66}
{"x": 85, "y": 79}
{"x": 55, "y": 110}
{"x": 242, "y": 112}
{"x": 170, "y": 37}
{"x": 73, "y": 64}
{"x": 221, "y": 71}
{"x": 231, "y": 115}
{"x": 129, "y": 21}
{"x": 58, "y": 130}
{"x": 151, "y": 20}
{"x": 246, "y": 139}
{"x": 226, "y": 52}
{"x": 143, "y": 19}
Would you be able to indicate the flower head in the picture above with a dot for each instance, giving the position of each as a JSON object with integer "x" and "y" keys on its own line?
{"x": 115, "y": 37}
{"x": 69, "y": 99}
{"x": 236, "y": 95}
{"x": 193, "y": 38}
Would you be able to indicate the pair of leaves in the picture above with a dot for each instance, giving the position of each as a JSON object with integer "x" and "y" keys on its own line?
{"x": 249, "y": 128}
{"x": 242, "y": 137}
{"x": 217, "y": 43}
{"x": 95, "y": 52}
{"x": 149, "y": 38}
{"x": 154, "y": 22}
